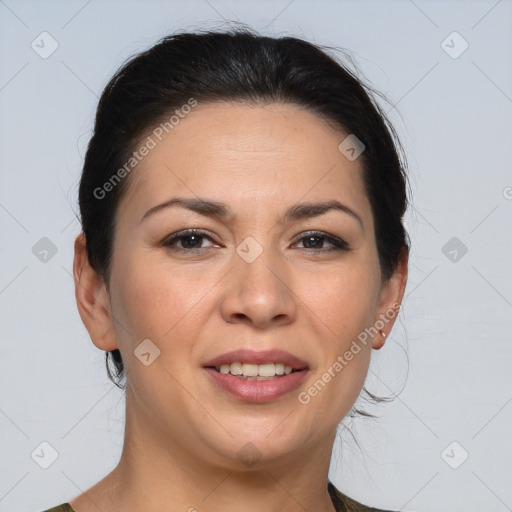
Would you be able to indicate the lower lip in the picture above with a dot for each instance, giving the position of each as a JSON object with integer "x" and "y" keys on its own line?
{"x": 258, "y": 391}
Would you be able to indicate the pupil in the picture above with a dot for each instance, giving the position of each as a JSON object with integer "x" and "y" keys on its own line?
{"x": 315, "y": 243}
{"x": 188, "y": 240}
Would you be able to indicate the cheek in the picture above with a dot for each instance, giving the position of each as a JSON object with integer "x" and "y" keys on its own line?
{"x": 154, "y": 298}
{"x": 343, "y": 301}
{"x": 157, "y": 303}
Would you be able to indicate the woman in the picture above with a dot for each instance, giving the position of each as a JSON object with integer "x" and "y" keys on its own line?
{"x": 242, "y": 253}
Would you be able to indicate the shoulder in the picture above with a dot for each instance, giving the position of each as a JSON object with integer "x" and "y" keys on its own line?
{"x": 65, "y": 507}
{"x": 343, "y": 503}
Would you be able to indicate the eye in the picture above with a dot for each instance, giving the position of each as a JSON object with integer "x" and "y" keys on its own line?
{"x": 316, "y": 239}
{"x": 191, "y": 240}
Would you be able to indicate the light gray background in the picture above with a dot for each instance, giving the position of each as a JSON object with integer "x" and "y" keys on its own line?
{"x": 455, "y": 326}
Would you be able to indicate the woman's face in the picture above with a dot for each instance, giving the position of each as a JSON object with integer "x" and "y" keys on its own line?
{"x": 252, "y": 279}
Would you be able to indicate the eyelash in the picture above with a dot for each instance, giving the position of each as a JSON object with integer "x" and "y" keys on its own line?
{"x": 338, "y": 243}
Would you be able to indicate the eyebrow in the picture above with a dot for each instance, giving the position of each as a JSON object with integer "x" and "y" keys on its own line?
{"x": 217, "y": 209}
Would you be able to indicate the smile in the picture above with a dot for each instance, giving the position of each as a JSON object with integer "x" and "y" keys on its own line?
{"x": 255, "y": 371}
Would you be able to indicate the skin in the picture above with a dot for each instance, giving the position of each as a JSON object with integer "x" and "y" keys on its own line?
{"x": 182, "y": 433}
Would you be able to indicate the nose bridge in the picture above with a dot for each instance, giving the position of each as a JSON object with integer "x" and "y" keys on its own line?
{"x": 257, "y": 263}
{"x": 259, "y": 289}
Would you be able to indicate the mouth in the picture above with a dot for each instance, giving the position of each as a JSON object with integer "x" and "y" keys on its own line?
{"x": 252, "y": 363}
{"x": 248, "y": 371}
{"x": 252, "y": 376}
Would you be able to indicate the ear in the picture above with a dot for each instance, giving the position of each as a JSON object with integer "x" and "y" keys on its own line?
{"x": 92, "y": 299}
{"x": 390, "y": 301}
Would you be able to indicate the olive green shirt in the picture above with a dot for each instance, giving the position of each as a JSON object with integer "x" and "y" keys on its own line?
{"x": 341, "y": 502}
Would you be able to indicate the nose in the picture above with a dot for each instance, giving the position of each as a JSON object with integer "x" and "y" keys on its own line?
{"x": 259, "y": 293}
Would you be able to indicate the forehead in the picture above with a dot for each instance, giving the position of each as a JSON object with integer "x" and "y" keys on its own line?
{"x": 263, "y": 153}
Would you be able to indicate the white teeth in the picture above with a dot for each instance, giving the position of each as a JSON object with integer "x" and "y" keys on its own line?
{"x": 250, "y": 370}
{"x": 266, "y": 370}
{"x": 236, "y": 368}
{"x": 255, "y": 370}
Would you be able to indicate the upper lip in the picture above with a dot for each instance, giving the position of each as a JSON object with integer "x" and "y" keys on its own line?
{"x": 258, "y": 357}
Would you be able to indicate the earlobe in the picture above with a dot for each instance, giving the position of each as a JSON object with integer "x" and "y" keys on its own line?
{"x": 379, "y": 343}
{"x": 391, "y": 300}
{"x": 92, "y": 299}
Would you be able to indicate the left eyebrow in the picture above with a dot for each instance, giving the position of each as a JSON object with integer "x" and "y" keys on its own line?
{"x": 307, "y": 210}
{"x": 212, "y": 208}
